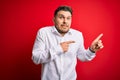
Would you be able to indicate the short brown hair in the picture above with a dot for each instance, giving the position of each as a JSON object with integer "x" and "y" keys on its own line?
{"x": 63, "y": 8}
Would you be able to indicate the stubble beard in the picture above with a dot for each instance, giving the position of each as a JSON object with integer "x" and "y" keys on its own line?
{"x": 61, "y": 31}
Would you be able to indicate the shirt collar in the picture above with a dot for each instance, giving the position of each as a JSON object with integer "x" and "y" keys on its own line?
{"x": 54, "y": 30}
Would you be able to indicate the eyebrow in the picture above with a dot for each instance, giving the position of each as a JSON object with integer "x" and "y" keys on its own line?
{"x": 63, "y": 15}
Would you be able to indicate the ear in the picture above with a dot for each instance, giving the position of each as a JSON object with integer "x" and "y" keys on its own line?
{"x": 53, "y": 20}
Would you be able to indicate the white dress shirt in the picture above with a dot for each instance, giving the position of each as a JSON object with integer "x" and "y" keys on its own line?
{"x": 57, "y": 65}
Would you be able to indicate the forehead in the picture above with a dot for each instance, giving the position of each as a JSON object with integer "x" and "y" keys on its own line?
{"x": 64, "y": 13}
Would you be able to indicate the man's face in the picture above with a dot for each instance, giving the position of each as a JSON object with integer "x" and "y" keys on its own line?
{"x": 63, "y": 21}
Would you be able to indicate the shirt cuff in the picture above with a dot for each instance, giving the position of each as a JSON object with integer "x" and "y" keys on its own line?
{"x": 91, "y": 53}
{"x": 91, "y": 50}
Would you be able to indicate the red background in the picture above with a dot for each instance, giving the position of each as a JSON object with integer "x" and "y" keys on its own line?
{"x": 21, "y": 19}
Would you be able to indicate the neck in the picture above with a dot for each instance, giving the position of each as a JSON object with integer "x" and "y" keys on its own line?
{"x": 62, "y": 34}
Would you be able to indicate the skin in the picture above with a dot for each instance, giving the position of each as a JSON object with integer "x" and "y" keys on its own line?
{"x": 62, "y": 23}
{"x": 97, "y": 44}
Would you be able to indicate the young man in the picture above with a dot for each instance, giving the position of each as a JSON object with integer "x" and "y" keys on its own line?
{"x": 58, "y": 47}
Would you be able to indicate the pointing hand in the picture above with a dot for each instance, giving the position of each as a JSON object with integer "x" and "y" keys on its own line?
{"x": 65, "y": 45}
{"x": 96, "y": 44}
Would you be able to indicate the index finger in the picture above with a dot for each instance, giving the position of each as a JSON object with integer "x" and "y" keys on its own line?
{"x": 69, "y": 42}
{"x": 98, "y": 38}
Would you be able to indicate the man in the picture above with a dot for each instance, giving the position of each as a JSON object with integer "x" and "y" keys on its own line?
{"x": 58, "y": 47}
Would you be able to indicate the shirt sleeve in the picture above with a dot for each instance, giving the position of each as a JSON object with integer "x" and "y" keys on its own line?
{"x": 42, "y": 55}
{"x": 84, "y": 54}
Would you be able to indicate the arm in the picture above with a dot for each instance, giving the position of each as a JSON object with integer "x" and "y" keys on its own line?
{"x": 82, "y": 53}
{"x": 42, "y": 55}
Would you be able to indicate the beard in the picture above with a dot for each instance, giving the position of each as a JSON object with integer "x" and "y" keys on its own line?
{"x": 64, "y": 28}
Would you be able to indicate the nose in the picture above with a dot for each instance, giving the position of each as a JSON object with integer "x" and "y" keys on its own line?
{"x": 65, "y": 20}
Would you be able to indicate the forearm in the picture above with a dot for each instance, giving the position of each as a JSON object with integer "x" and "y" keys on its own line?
{"x": 85, "y": 55}
{"x": 90, "y": 55}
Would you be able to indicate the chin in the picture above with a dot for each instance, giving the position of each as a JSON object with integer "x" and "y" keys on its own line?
{"x": 65, "y": 31}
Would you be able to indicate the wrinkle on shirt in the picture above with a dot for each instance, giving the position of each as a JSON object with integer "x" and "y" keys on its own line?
{"x": 57, "y": 65}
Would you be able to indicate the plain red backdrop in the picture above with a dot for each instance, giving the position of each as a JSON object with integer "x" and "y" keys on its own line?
{"x": 21, "y": 19}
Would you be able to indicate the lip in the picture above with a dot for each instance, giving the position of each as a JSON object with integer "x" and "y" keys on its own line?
{"x": 64, "y": 25}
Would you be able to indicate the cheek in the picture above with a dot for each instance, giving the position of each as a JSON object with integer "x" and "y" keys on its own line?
{"x": 59, "y": 22}
{"x": 69, "y": 22}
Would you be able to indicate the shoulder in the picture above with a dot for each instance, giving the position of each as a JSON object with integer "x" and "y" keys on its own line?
{"x": 77, "y": 34}
{"x": 45, "y": 29}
